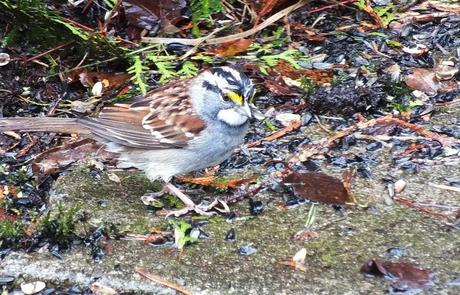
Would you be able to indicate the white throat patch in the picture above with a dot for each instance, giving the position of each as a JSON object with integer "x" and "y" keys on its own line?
{"x": 232, "y": 117}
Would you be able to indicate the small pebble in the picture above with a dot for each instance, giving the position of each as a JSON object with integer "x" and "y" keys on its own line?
{"x": 247, "y": 250}
{"x": 6, "y": 280}
{"x": 373, "y": 146}
{"x": 286, "y": 118}
{"x": 396, "y": 252}
{"x": 399, "y": 185}
{"x": 33, "y": 287}
{"x": 231, "y": 235}
{"x": 4, "y": 59}
{"x": 255, "y": 207}
{"x": 307, "y": 118}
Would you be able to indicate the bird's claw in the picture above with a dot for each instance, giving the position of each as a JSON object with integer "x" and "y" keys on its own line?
{"x": 202, "y": 210}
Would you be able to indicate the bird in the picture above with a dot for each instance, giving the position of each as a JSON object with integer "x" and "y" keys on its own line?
{"x": 174, "y": 129}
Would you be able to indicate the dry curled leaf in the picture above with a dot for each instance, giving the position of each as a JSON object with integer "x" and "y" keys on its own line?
{"x": 56, "y": 158}
{"x": 214, "y": 181}
{"x": 297, "y": 261}
{"x": 98, "y": 288}
{"x": 146, "y": 14}
{"x": 425, "y": 80}
{"x": 278, "y": 86}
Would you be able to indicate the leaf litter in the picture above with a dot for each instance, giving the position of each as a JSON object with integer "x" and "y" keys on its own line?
{"x": 339, "y": 85}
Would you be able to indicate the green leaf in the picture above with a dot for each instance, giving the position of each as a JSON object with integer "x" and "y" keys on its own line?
{"x": 188, "y": 69}
{"x": 202, "y": 9}
{"x": 393, "y": 43}
{"x": 269, "y": 124}
{"x": 75, "y": 30}
{"x": 181, "y": 234}
{"x": 138, "y": 70}
{"x": 386, "y": 13}
{"x": 361, "y": 4}
{"x": 110, "y": 3}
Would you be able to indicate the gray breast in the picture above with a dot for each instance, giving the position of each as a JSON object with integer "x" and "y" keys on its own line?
{"x": 218, "y": 144}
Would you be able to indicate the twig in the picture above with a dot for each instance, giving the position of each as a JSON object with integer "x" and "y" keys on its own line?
{"x": 342, "y": 3}
{"x": 413, "y": 204}
{"x": 164, "y": 282}
{"x": 448, "y": 207}
{"x": 33, "y": 141}
{"x": 193, "y": 50}
{"x": 46, "y": 52}
{"x": 446, "y": 187}
{"x": 277, "y": 16}
{"x": 248, "y": 191}
{"x": 328, "y": 131}
{"x": 446, "y": 161}
{"x": 81, "y": 26}
{"x": 111, "y": 13}
{"x": 294, "y": 125}
{"x": 324, "y": 145}
{"x": 82, "y": 60}
{"x": 448, "y": 103}
{"x": 409, "y": 5}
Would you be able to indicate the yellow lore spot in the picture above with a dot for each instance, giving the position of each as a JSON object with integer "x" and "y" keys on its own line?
{"x": 238, "y": 99}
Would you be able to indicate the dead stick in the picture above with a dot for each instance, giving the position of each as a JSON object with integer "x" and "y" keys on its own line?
{"x": 164, "y": 282}
{"x": 277, "y": 16}
{"x": 294, "y": 125}
{"x": 324, "y": 145}
{"x": 413, "y": 204}
{"x": 46, "y": 52}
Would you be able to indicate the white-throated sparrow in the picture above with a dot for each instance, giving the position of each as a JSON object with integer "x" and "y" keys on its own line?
{"x": 177, "y": 128}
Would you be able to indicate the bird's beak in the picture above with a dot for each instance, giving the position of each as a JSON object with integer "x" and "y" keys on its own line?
{"x": 247, "y": 110}
{"x": 255, "y": 113}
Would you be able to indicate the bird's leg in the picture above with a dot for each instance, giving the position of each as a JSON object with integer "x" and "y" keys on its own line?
{"x": 189, "y": 204}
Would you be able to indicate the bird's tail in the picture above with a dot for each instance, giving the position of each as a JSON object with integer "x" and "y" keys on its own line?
{"x": 58, "y": 125}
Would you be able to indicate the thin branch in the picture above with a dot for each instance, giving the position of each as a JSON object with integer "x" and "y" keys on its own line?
{"x": 446, "y": 187}
{"x": 277, "y": 16}
{"x": 164, "y": 282}
{"x": 294, "y": 125}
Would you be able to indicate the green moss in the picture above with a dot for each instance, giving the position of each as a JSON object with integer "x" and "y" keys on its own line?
{"x": 41, "y": 27}
{"x": 308, "y": 85}
{"x": 10, "y": 232}
{"x": 396, "y": 89}
{"x": 60, "y": 227}
{"x": 173, "y": 201}
{"x": 139, "y": 225}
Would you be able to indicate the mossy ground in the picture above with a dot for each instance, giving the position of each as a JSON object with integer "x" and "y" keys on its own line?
{"x": 346, "y": 240}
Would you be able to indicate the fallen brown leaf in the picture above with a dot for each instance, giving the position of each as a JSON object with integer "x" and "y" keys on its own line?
{"x": 318, "y": 187}
{"x": 404, "y": 272}
{"x": 53, "y": 159}
{"x": 6, "y": 216}
{"x": 319, "y": 76}
{"x": 279, "y": 87}
{"x": 426, "y": 80}
{"x": 232, "y": 48}
{"x": 33, "y": 141}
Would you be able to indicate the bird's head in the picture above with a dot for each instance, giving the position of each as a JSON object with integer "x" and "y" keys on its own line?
{"x": 227, "y": 94}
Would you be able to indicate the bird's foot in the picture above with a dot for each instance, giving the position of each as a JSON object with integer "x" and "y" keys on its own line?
{"x": 191, "y": 206}
{"x": 151, "y": 198}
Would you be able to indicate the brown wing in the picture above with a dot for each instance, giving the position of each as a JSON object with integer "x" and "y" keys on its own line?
{"x": 161, "y": 120}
